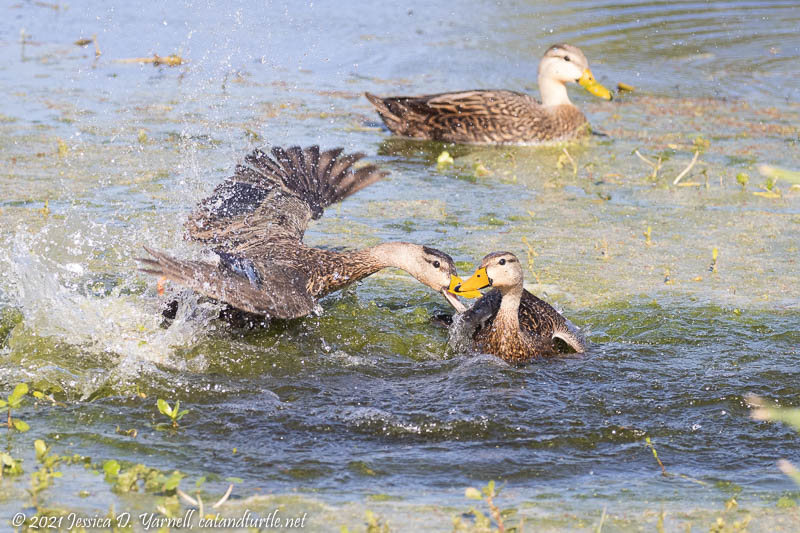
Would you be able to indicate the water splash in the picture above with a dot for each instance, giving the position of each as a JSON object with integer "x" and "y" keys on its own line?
{"x": 120, "y": 323}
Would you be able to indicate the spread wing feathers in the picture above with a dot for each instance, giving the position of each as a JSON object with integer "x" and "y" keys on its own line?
{"x": 282, "y": 294}
{"x": 274, "y": 197}
{"x": 538, "y": 318}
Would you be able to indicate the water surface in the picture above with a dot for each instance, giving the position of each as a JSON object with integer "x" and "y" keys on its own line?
{"x": 364, "y": 407}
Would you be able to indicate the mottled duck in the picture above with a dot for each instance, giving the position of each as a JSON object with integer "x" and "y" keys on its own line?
{"x": 499, "y": 116}
{"x": 509, "y": 321}
{"x": 255, "y": 220}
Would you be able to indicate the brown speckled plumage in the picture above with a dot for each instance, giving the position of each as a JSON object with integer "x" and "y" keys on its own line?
{"x": 479, "y": 117}
{"x": 255, "y": 221}
{"x": 537, "y": 334}
{"x": 499, "y": 116}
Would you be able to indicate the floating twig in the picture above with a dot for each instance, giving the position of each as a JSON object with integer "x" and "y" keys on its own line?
{"x": 686, "y": 170}
{"x": 87, "y": 42}
{"x": 172, "y": 60}
{"x": 602, "y": 519}
{"x": 191, "y": 501}
{"x": 224, "y": 497}
{"x": 185, "y": 497}
{"x": 656, "y": 165}
{"x": 572, "y": 161}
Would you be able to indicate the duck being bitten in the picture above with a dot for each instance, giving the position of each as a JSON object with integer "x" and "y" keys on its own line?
{"x": 509, "y": 321}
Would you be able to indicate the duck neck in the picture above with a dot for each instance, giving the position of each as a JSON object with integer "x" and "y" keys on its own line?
{"x": 351, "y": 267}
{"x": 342, "y": 269}
{"x": 508, "y": 314}
{"x": 392, "y": 254}
{"x": 553, "y": 92}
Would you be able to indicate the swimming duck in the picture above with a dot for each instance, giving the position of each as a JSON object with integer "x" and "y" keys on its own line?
{"x": 255, "y": 220}
{"x": 498, "y": 116}
{"x": 509, "y": 321}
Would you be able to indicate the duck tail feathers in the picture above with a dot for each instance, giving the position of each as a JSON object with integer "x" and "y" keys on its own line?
{"x": 390, "y": 118}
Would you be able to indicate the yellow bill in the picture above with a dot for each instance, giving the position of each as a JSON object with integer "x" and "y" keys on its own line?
{"x": 479, "y": 280}
{"x": 588, "y": 82}
{"x": 455, "y": 281}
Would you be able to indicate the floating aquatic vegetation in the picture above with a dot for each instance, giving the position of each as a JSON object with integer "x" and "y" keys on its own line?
{"x": 172, "y": 60}
{"x": 480, "y": 170}
{"x": 9, "y": 466}
{"x": 773, "y": 174}
{"x": 564, "y": 158}
{"x": 742, "y": 179}
{"x": 85, "y": 42}
{"x": 14, "y": 401}
{"x": 655, "y": 165}
{"x": 444, "y": 160}
{"x": 174, "y": 413}
{"x": 487, "y": 494}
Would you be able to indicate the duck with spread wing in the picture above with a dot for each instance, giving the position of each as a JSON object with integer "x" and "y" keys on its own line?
{"x": 255, "y": 220}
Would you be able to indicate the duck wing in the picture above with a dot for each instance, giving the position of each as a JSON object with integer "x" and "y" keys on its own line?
{"x": 536, "y": 317}
{"x": 541, "y": 319}
{"x": 466, "y": 116}
{"x": 272, "y": 198}
{"x": 467, "y": 324}
{"x": 282, "y": 293}
{"x": 255, "y": 221}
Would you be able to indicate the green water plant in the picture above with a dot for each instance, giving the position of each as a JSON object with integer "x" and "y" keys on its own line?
{"x": 374, "y": 524}
{"x": 648, "y": 234}
{"x": 43, "y": 478}
{"x": 649, "y": 444}
{"x": 483, "y": 522}
{"x": 444, "y": 160}
{"x": 714, "y": 256}
{"x": 743, "y": 179}
{"x": 776, "y": 173}
{"x": 14, "y": 401}
{"x": 131, "y": 479}
{"x": 9, "y": 466}
{"x": 174, "y": 413}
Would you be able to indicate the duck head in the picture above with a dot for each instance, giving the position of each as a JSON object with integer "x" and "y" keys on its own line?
{"x": 437, "y": 270}
{"x": 501, "y": 270}
{"x": 562, "y": 64}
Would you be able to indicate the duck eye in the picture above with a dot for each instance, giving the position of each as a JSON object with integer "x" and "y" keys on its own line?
{"x": 566, "y": 58}
{"x": 436, "y": 264}
{"x": 502, "y": 262}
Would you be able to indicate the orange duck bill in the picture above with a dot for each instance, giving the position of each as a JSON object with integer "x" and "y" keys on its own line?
{"x": 588, "y": 82}
{"x": 479, "y": 280}
{"x": 457, "y": 287}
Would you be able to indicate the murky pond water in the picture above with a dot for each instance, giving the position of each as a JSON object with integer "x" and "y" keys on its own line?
{"x": 363, "y": 407}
